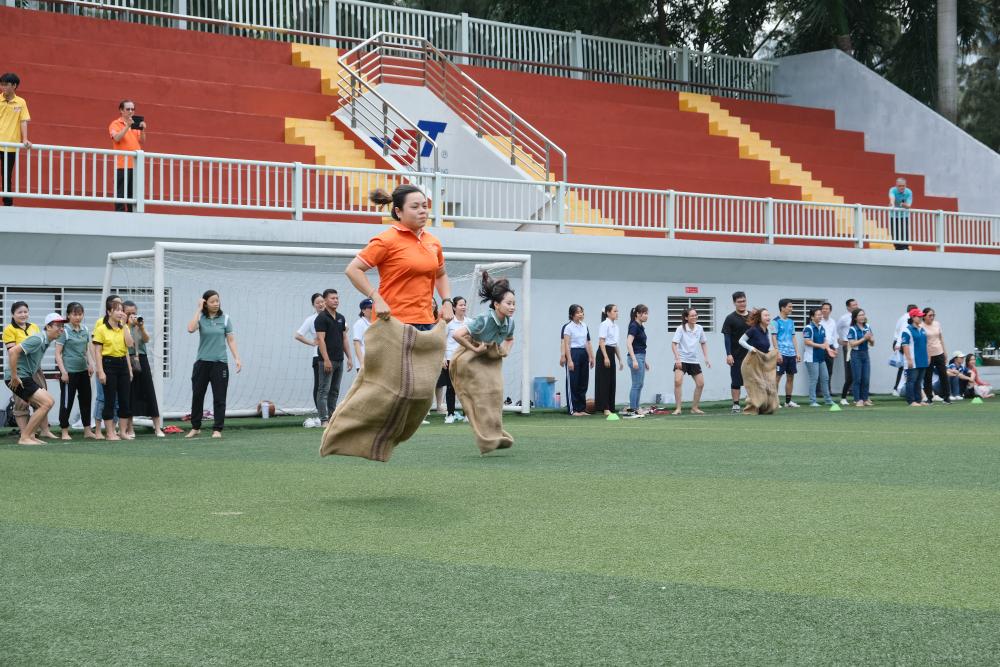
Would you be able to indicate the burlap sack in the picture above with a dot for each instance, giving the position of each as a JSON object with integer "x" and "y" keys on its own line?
{"x": 391, "y": 395}
{"x": 761, "y": 382}
{"x": 478, "y": 382}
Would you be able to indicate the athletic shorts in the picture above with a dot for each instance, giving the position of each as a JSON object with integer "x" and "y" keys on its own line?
{"x": 736, "y": 371}
{"x": 691, "y": 369}
{"x": 26, "y": 390}
{"x": 787, "y": 365}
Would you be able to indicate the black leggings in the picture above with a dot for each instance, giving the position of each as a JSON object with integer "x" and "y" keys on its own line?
{"x": 444, "y": 380}
{"x": 205, "y": 373}
{"x": 78, "y": 383}
{"x": 938, "y": 365}
{"x": 116, "y": 386}
{"x": 605, "y": 383}
{"x": 143, "y": 391}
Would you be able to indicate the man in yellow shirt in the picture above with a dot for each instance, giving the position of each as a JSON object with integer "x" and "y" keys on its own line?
{"x": 14, "y": 119}
{"x": 125, "y": 137}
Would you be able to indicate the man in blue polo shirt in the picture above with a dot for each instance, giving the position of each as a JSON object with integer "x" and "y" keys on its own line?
{"x": 782, "y": 332}
{"x": 817, "y": 349}
{"x": 900, "y": 199}
{"x": 25, "y": 359}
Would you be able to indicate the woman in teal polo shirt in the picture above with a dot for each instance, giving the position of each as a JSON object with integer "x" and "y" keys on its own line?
{"x": 211, "y": 366}
{"x": 476, "y": 370}
{"x": 75, "y": 370}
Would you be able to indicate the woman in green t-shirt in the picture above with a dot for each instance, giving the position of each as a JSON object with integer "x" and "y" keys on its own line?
{"x": 211, "y": 366}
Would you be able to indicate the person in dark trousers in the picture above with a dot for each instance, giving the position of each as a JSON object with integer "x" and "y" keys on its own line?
{"x": 113, "y": 369}
{"x": 937, "y": 359}
{"x": 335, "y": 350}
{"x": 126, "y": 137}
{"x": 900, "y": 199}
{"x": 144, "y": 401}
{"x": 844, "y": 323}
{"x": 211, "y": 366}
{"x": 75, "y": 370}
{"x": 859, "y": 339}
{"x": 609, "y": 361}
{"x": 14, "y": 119}
{"x": 896, "y": 335}
{"x": 579, "y": 356}
{"x": 733, "y": 329}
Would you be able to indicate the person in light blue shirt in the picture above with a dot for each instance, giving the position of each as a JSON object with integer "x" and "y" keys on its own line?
{"x": 816, "y": 350}
{"x": 913, "y": 343}
{"x": 782, "y": 330}
{"x": 900, "y": 199}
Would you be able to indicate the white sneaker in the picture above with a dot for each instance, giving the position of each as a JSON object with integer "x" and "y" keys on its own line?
{"x": 450, "y": 419}
{"x": 895, "y": 392}
{"x": 938, "y": 399}
{"x": 459, "y": 417}
{"x": 958, "y": 398}
{"x": 311, "y": 422}
{"x": 844, "y": 401}
{"x": 425, "y": 422}
{"x": 791, "y": 404}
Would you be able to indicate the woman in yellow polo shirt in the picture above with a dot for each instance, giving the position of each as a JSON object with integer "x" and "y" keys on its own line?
{"x": 14, "y": 333}
{"x": 113, "y": 370}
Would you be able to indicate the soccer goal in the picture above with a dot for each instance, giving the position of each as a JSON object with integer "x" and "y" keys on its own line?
{"x": 266, "y": 292}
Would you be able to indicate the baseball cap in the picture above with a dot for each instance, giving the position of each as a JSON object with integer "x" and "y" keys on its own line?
{"x": 366, "y": 303}
{"x": 54, "y": 317}
{"x": 915, "y": 312}
{"x": 957, "y": 353}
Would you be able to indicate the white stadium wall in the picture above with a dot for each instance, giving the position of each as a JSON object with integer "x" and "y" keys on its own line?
{"x": 68, "y": 248}
{"x": 924, "y": 142}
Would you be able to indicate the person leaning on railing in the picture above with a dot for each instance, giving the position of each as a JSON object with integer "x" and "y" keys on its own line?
{"x": 900, "y": 199}
{"x": 125, "y": 137}
{"x": 14, "y": 119}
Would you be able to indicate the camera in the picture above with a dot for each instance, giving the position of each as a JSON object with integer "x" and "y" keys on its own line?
{"x": 139, "y": 320}
{"x": 137, "y": 121}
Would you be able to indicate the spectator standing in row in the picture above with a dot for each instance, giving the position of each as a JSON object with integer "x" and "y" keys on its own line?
{"x": 817, "y": 350}
{"x": 459, "y": 307}
{"x": 14, "y": 119}
{"x": 844, "y": 323}
{"x": 635, "y": 346}
{"x": 75, "y": 370}
{"x": 609, "y": 361}
{"x": 143, "y": 398}
{"x": 125, "y": 137}
{"x": 913, "y": 343}
{"x": 687, "y": 338}
{"x": 936, "y": 359}
{"x": 99, "y": 387}
{"x": 733, "y": 329}
{"x": 900, "y": 199}
{"x": 859, "y": 339}
{"x": 211, "y": 366}
{"x": 782, "y": 332}
{"x": 897, "y": 335}
{"x": 579, "y": 357}
{"x": 359, "y": 330}
{"x": 306, "y": 334}
{"x": 335, "y": 349}
{"x": 112, "y": 342}
{"x": 829, "y": 325}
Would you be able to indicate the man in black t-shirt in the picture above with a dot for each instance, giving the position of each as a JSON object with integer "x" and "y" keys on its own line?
{"x": 732, "y": 330}
{"x": 334, "y": 348}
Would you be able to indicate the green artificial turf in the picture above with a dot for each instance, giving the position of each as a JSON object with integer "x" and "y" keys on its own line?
{"x": 859, "y": 537}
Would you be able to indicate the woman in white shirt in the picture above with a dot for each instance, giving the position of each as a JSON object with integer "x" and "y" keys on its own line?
{"x": 450, "y": 348}
{"x": 577, "y": 353}
{"x": 687, "y": 337}
{"x": 605, "y": 372}
{"x": 306, "y": 334}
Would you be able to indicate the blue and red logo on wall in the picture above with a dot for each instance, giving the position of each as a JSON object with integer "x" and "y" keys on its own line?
{"x": 404, "y": 144}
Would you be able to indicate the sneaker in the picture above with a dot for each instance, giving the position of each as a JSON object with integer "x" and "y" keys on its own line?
{"x": 791, "y": 404}
{"x": 844, "y": 401}
{"x": 450, "y": 419}
{"x": 459, "y": 417}
{"x": 895, "y": 393}
{"x": 631, "y": 415}
{"x": 736, "y": 409}
{"x": 958, "y": 398}
{"x": 938, "y": 399}
{"x": 813, "y": 405}
{"x": 425, "y": 422}
{"x": 311, "y": 422}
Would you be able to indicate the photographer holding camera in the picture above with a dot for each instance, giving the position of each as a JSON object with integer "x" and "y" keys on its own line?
{"x": 128, "y": 133}
{"x": 143, "y": 396}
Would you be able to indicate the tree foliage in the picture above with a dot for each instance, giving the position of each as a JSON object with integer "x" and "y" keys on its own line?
{"x": 987, "y": 324}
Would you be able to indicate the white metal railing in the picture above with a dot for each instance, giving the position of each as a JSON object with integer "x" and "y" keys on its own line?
{"x": 164, "y": 181}
{"x": 344, "y": 23}
{"x": 394, "y": 58}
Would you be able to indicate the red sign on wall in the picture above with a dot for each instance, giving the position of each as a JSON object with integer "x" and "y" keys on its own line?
{"x": 690, "y": 289}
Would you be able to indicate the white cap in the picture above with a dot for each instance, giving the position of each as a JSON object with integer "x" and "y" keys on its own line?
{"x": 957, "y": 353}
{"x": 54, "y": 317}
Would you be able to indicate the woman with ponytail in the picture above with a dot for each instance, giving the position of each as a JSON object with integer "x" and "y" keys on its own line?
{"x": 476, "y": 368}
{"x": 406, "y": 342}
{"x": 605, "y": 373}
{"x": 635, "y": 344}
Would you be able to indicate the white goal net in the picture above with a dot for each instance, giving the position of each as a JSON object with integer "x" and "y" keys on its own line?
{"x": 266, "y": 292}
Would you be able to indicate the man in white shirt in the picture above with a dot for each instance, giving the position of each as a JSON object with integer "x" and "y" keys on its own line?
{"x": 306, "y": 334}
{"x": 843, "y": 327}
{"x": 896, "y": 335}
{"x": 830, "y": 333}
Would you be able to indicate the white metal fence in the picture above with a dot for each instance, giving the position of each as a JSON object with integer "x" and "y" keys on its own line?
{"x": 142, "y": 180}
{"x": 344, "y": 23}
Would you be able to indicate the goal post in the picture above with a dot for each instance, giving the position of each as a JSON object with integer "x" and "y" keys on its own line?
{"x": 266, "y": 291}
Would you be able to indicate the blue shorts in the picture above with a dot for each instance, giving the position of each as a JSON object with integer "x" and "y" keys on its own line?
{"x": 787, "y": 365}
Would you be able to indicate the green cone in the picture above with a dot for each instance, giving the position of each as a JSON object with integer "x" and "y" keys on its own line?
{"x": 614, "y": 418}
{"x": 977, "y": 401}
{"x": 835, "y": 408}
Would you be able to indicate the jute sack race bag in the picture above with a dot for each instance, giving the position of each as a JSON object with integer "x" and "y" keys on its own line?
{"x": 478, "y": 382}
{"x": 761, "y": 382}
{"x": 392, "y": 393}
